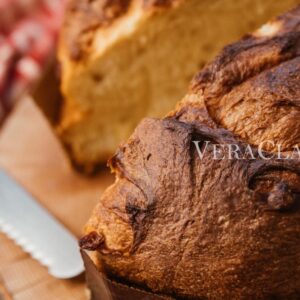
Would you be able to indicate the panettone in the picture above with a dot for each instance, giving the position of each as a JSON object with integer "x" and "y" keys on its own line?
{"x": 190, "y": 226}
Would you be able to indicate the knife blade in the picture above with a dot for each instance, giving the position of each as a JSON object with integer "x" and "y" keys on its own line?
{"x": 34, "y": 229}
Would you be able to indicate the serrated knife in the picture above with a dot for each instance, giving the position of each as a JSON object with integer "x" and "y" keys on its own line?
{"x": 33, "y": 228}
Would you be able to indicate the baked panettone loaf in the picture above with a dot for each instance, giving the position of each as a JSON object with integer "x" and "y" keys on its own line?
{"x": 178, "y": 224}
{"x": 122, "y": 60}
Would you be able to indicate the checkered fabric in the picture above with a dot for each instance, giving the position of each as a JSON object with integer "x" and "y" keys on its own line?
{"x": 28, "y": 34}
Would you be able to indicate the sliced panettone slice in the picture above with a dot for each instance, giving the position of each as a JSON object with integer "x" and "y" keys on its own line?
{"x": 122, "y": 60}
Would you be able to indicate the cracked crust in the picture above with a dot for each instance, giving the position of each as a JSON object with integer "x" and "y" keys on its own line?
{"x": 252, "y": 88}
{"x": 214, "y": 229}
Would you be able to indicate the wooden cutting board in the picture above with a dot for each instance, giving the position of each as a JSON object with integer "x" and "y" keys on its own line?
{"x": 30, "y": 152}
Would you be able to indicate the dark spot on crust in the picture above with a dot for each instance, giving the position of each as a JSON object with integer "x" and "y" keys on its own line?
{"x": 281, "y": 197}
{"x": 133, "y": 211}
{"x": 92, "y": 241}
{"x": 137, "y": 217}
{"x": 277, "y": 187}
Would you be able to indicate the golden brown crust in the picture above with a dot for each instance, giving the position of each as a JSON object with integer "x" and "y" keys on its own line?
{"x": 207, "y": 228}
{"x": 236, "y": 231}
{"x": 84, "y": 17}
{"x": 257, "y": 77}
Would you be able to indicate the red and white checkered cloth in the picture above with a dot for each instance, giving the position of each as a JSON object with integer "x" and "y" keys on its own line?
{"x": 28, "y": 34}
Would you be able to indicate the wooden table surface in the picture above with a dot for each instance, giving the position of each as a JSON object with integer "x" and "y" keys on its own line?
{"x": 30, "y": 152}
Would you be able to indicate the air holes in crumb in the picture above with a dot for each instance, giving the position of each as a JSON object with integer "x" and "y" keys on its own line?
{"x": 97, "y": 77}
